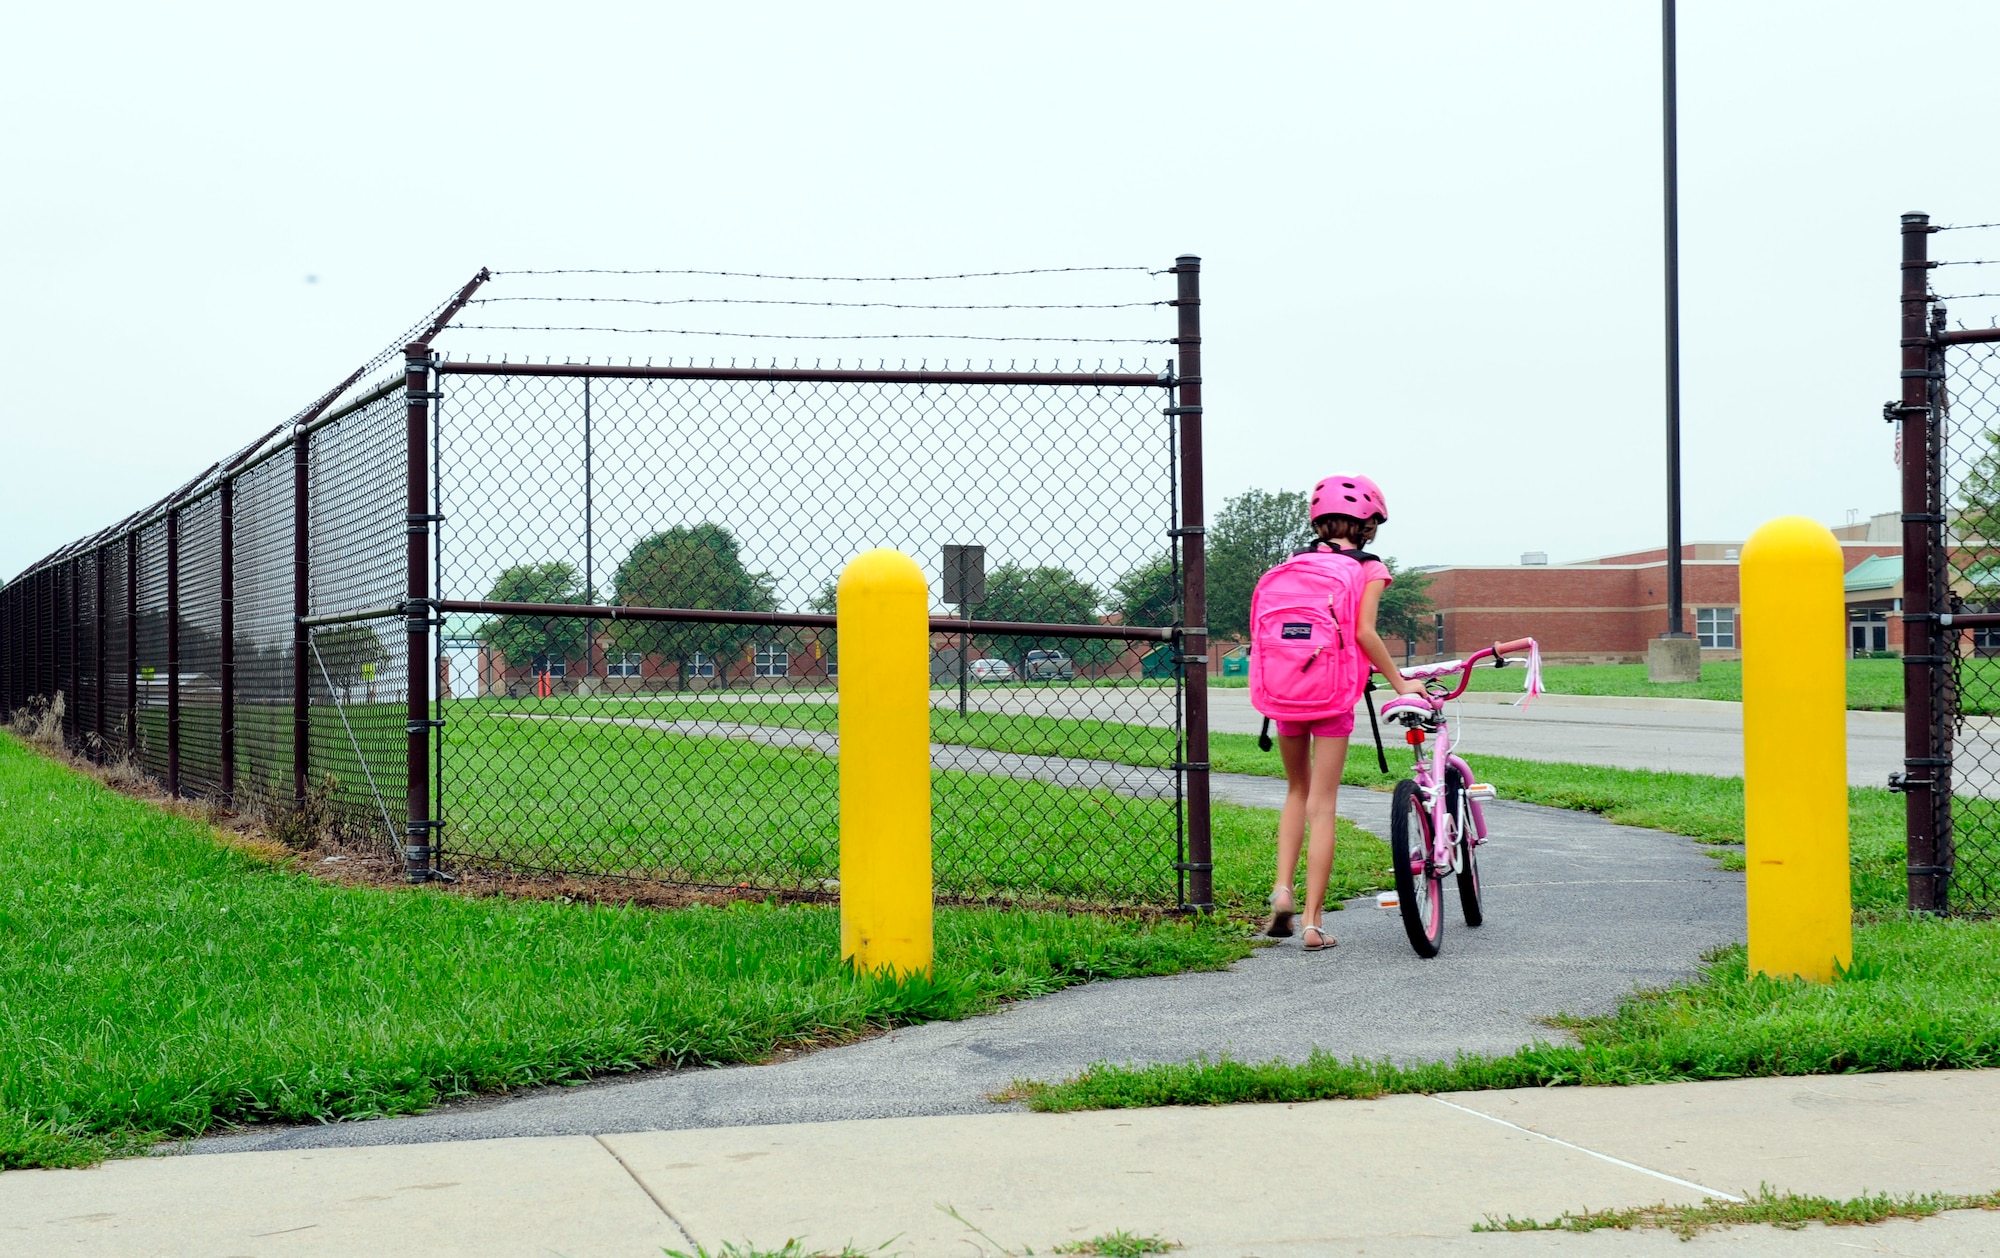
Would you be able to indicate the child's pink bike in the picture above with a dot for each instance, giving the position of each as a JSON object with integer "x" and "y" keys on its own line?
{"x": 1437, "y": 823}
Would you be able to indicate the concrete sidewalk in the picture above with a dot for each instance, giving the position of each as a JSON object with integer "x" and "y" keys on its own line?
{"x": 1400, "y": 1175}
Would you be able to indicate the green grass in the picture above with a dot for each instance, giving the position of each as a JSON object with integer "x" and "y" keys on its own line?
{"x": 1708, "y": 809}
{"x": 621, "y": 799}
{"x": 1922, "y": 994}
{"x": 1777, "y": 1209}
{"x": 1872, "y": 685}
{"x": 155, "y": 982}
{"x": 1120, "y": 1244}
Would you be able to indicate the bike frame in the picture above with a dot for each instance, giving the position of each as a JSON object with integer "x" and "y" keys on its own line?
{"x": 1431, "y": 765}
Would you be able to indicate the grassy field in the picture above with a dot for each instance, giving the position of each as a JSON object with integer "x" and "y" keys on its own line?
{"x": 624, "y": 799}
{"x": 1872, "y": 685}
{"x": 1056, "y": 837}
{"x": 157, "y": 982}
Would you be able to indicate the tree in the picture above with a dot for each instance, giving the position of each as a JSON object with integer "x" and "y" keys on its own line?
{"x": 1976, "y": 522}
{"x": 1046, "y": 595}
{"x": 522, "y": 638}
{"x": 348, "y": 653}
{"x": 698, "y": 566}
{"x": 1406, "y": 607}
{"x": 1149, "y": 594}
{"x": 1253, "y": 532}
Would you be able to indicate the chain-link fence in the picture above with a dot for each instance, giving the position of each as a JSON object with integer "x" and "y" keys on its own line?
{"x": 580, "y": 619}
{"x": 1949, "y": 446}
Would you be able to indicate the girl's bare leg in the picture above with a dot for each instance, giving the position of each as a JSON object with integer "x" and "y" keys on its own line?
{"x": 1329, "y": 758}
{"x": 1296, "y": 753}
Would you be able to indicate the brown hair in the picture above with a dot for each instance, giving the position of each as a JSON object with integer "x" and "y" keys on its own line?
{"x": 1345, "y": 528}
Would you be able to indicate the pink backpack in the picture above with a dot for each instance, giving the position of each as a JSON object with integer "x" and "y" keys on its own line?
{"x": 1305, "y": 663}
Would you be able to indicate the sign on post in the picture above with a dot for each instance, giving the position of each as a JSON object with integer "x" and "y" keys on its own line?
{"x": 964, "y": 575}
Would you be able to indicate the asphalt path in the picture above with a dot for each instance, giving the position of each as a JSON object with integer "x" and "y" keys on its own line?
{"x": 1579, "y": 912}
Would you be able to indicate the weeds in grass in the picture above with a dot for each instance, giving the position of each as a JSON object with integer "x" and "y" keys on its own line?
{"x": 303, "y": 826}
{"x": 39, "y": 723}
{"x": 1779, "y": 1209}
{"x": 1119, "y": 1244}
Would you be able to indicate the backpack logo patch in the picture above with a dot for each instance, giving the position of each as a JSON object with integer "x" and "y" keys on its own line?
{"x": 1295, "y": 629}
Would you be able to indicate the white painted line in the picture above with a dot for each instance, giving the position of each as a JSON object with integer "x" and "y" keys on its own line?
{"x": 1602, "y": 1157}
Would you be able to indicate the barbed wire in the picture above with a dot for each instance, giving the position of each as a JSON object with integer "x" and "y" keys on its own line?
{"x": 1971, "y": 262}
{"x": 1961, "y": 227}
{"x": 781, "y": 336}
{"x": 843, "y": 305}
{"x": 1960, "y": 296}
{"x": 817, "y": 364}
{"x": 840, "y": 279}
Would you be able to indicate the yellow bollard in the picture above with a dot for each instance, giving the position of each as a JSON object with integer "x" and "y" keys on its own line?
{"x": 885, "y": 764}
{"x": 1795, "y": 751}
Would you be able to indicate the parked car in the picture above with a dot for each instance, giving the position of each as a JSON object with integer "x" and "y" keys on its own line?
{"x": 1048, "y": 666}
{"x": 992, "y": 670}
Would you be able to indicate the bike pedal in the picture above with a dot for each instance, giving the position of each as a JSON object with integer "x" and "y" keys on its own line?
{"x": 1482, "y": 791}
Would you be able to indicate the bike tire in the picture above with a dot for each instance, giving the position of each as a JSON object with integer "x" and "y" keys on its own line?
{"x": 1419, "y": 890}
{"x": 1469, "y": 901}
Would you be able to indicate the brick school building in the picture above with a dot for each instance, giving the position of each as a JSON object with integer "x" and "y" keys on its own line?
{"x": 1604, "y": 610}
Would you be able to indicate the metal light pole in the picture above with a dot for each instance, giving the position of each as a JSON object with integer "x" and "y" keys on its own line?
{"x": 1673, "y": 656}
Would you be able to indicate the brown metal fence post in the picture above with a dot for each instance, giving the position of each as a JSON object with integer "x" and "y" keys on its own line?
{"x": 132, "y": 643}
{"x": 98, "y": 633}
{"x": 72, "y": 711}
{"x": 301, "y": 608}
{"x": 1924, "y": 766}
{"x": 226, "y": 667}
{"x": 173, "y": 651}
{"x": 1199, "y": 865}
{"x": 417, "y": 610}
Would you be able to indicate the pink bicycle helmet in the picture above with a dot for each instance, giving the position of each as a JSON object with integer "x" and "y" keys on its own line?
{"x": 1349, "y": 495}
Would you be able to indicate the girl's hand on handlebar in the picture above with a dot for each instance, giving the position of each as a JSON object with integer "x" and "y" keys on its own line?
{"x": 1404, "y": 686}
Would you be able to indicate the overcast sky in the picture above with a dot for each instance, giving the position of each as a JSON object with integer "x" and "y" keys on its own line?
{"x": 1430, "y": 232}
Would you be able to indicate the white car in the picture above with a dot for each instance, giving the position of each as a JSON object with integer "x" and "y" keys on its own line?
{"x": 991, "y": 670}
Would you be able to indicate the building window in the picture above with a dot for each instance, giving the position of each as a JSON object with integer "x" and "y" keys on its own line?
{"x": 1716, "y": 626}
{"x": 701, "y": 664}
{"x": 552, "y": 665}
{"x": 1438, "y": 620}
{"x": 625, "y": 664}
{"x": 773, "y": 661}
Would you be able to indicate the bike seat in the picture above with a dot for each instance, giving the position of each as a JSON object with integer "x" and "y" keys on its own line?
{"x": 1409, "y": 710}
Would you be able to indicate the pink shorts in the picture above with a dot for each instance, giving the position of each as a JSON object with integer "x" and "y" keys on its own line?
{"x": 1328, "y": 727}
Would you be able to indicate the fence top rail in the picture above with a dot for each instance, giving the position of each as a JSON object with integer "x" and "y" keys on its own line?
{"x": 1163, "y": 379}
{"x": 795, "y": 620}
{"x": 1969, "y": 336}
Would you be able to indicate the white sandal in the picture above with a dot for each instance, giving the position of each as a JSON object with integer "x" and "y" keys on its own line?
{"x": 1281, "y": 916}
{"x": 1326, "y": 939}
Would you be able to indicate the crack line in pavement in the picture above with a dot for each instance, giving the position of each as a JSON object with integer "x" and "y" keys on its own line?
{"x": 650, "y": 1194}
{"x": 1602, "y": 1157}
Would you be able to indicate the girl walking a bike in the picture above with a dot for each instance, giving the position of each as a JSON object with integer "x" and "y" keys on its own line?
{"x": 1312, "y": 645}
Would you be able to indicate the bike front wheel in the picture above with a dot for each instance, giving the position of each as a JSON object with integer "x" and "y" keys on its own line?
{"x": 1468, "y": 848}
{"x": 1419, "y": 886}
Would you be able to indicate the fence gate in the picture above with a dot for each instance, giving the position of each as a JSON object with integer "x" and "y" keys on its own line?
{"x": 1948, "y": 439}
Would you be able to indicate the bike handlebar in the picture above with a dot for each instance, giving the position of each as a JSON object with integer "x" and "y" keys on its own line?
{"x": 1464, "y": 667}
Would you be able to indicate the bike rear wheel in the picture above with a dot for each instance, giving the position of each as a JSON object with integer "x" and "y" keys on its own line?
{"x": 1419, "y": 888}
{"x": 1468, "y": 850}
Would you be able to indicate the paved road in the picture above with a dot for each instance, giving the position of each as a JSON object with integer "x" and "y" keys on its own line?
{"x": 1579, "y": 912}
{"x": 1678, "y": 735}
